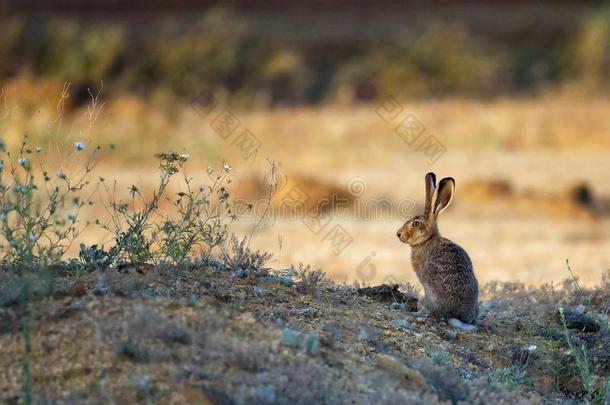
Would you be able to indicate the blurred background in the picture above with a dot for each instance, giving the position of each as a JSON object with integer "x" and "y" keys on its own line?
{"x": 351, "y": 103}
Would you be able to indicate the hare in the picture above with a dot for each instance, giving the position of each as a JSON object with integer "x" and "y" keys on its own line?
{"x": 443, "y": 267}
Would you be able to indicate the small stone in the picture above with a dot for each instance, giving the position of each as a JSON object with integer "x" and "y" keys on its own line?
{"x": 291, "y": 337}
{"x": 580, "y": 309}
{"x": 420, "y": 314}
{"x": 263, "y": 394}
{"x": 302, "y": 311}
{"x": 576, "y": 320}
{"x": 308, "y": 342}
{"x": 465, "y": 374}
{"x": 398, "y": 305}
{"x": 102, "y": 289}
{"x": 192, "y": 299}
{"x": 389, "y": 293}
{"x": 408, "y": 377}
{"x": 312, "y": 344}
{"x": 286, "y": 280}
{"x": 451, "y": 334}
{"x": 403, "y": 323}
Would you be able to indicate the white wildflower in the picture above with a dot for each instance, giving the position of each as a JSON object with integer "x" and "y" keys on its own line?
{"x": 61, "y": 174}
{"x": 39, "y": 149}
{"x": 532, "y": 348}
{"x": 227, "y": 167}
{"x": 79, "y": 146}
{"x": 72, "y": 216}
{"x": 22, "y": 161}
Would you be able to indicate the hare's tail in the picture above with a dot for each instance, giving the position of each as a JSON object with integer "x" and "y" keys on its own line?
{"x": 466, "y": 327}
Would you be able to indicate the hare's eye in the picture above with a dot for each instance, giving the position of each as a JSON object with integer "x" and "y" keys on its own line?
{"x": 415, "y": 224}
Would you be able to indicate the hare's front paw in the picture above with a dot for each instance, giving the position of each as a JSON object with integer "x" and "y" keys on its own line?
{"x": 466, "y": 327}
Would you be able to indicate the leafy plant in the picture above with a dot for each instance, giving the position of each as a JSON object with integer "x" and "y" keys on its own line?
{"x": 583, "y": 363}
{"x": 198, "y": 217}
{"x": 132, "y": 223}
{"x": 201, "y": 217}
{"x": 512, "y": 376}
{"x": 38, "y": 211}
{"x": 93, "y": 257}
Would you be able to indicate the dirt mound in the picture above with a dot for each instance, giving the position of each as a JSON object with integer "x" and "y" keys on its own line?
{"x": 576, "y": 201}
{"x": 295, "y": 195}
{"x": 215, "y": 335}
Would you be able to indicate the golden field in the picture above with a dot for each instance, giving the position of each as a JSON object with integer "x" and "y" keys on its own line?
{"x": 536, "y": 147}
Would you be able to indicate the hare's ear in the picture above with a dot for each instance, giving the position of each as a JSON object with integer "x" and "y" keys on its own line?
{"x": 445, "y": 193}
{"x": 430, "y": 188}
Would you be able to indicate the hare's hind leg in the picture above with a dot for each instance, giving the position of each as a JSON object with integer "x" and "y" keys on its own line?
{"x": 466, "y": 327}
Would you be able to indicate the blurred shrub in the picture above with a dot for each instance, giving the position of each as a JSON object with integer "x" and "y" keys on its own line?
{"x": 10, "y": 32}
{"x": 592, "y": 53}
{"x": 221, "y": 52}
{"x": 78, "y": 51}
{"x": 437, "y": 61}
{"x": 285, "y": 77}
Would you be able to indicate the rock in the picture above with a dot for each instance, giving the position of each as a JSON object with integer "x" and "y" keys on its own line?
{"x": 575, "y": 319}
{"x": 420, "y": 314}
{"x": 283, "y": 278}
{"x": 403, "y": 323}
{"x": 65, "y": 287}
{"x": 286, "y": 280}
{"x": 187, "y": 394}
{"x": 465, "y": 374}
{"x": 309, "y": 342}
{"x": 312, "y": 344}
{"x": 303, "y": 311}
{"x": 570, "y": 383}
{"x": 409, "y": 377}
{"x": 389, "y": 294}
{"x": 263, "y": 394}
{"x": 398, "y": 305}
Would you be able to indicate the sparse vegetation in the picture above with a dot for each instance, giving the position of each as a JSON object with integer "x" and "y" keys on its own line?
{"x": 39, "y": 208}
{"x": 151, "y": 268}
{"x": 225, "y": 337}
{"x": 122, "y": 284}
{"x": 239, "y": 257}
{"x": 143, "y": 233}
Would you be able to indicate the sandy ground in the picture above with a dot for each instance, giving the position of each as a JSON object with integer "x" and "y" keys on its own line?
{"x": 375, "y": 255}
{"x": 542, "y": 145}
{"x": 505, "y": 244}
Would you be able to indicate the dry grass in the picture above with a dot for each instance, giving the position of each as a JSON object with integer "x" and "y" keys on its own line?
{"x": 539, "y": 146}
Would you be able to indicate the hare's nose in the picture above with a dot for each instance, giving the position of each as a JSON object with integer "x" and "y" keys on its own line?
{"x": 399, "y": 234}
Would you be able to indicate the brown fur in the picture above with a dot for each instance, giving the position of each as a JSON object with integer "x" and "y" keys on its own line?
{"x": 443, "y": 267}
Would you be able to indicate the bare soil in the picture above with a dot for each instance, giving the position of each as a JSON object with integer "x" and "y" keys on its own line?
{"x": 202, "y": 334}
